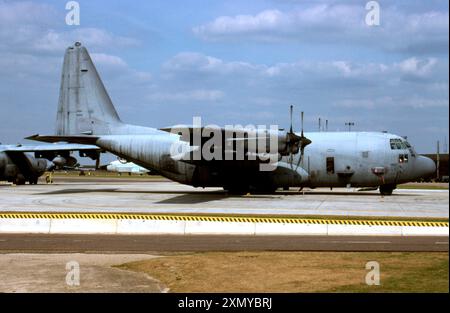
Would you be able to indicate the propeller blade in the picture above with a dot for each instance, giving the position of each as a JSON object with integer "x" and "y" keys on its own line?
{"x": 290, "y": 115}
{"x": 302, "y": 123}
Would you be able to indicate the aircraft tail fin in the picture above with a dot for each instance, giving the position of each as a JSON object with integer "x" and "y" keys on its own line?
{"x": 84, "y": 107}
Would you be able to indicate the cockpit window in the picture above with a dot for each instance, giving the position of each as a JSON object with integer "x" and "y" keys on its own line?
{"x": 396, "y": 144}
{"x": 399, "y": 144}
{"x": 411, "y": 149}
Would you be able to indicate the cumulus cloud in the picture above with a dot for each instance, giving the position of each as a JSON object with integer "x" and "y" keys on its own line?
{"x": 383, "y": 103}
{"x": 200, "y": 65}
{"x": 417, "y": 67}
{"x": 108, "y": 60}
{"x": 382, "y": 94}
{"x": 188, "y": 96}
{"x": 33, "y": 27}
{"x": 57, "y": 41}
{"x": 343, "y": 24}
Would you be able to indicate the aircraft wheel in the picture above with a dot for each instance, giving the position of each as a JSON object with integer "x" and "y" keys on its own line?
{"x": 386, "y": 190}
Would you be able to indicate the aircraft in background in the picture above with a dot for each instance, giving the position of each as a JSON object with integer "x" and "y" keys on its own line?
{"x": 18, "y": 164}
{"x": 86, "y": 115}
{"x": 121, "y": 166}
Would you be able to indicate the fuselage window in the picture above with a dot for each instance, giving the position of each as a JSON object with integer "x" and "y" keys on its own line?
{"x": 330, "y": 165}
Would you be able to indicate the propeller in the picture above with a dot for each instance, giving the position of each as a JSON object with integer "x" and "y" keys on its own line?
{"x": 296, "y": 143}
{"x": 293, "y": 140}
{"x": 303, "y": 143}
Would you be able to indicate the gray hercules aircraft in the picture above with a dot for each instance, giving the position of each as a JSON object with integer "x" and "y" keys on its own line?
{"x": 86, "y": 115}
{"x": 18, "y": 165}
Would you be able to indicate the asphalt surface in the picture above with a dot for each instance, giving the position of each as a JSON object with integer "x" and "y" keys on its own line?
{"x": 143, "y": 196}
{"x": 43, "y": 243}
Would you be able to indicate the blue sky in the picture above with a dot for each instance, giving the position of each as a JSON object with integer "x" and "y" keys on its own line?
{"x": 236, "y": 62}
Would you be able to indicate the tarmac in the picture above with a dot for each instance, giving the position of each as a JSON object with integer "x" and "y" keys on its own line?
{"x": 79, "y": 243}
{"x": 161, "y": 196}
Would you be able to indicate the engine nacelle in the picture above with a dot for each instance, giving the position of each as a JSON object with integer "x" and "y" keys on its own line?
{"x": 259, "y": 141}
{"x": 264, "y": 138}
{"x": 39, "y": 165}
{"x": 60, "y": 161}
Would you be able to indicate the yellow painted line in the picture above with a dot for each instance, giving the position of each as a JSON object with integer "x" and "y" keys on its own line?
{"x": 203, "y": 218}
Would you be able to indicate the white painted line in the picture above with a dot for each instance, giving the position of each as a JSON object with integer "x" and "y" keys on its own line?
{"x": 367, "y": 242}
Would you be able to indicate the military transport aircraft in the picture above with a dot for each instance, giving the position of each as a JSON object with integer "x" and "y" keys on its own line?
{"x": 18, "y": 165}
{"x": 86, "y": 115}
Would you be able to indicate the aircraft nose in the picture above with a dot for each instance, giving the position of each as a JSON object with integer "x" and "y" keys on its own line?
{"x": 425, "y": 167}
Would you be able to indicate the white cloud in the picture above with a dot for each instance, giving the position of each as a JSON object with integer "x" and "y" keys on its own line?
{"x": 423, "y": 103}
{"x": 24, "y": 12}
{"x": 336, "y": 24}
{"x": 186, "y": 96}
{"x": 187, "y": 61}
{"x": 409, "y": 101}
{"x": 56, "y": 41}
{"x": 205, "y": 66}
{"x": 33, "y": 27}
{"x": 108, "y": 60}
{"x": 417, "y": 67}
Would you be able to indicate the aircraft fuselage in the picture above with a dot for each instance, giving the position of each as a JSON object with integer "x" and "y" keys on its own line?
{"x": 333, "y": 159}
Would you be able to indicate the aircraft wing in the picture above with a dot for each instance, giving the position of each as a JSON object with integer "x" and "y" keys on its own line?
{"x": 231, "y": 134}
{"x": 237, "y": 145}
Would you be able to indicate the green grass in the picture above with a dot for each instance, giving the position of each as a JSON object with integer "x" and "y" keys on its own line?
{"x": 427, "y": 187}
{"x": 429, "y": 277}
{"x": 270, "y": 271}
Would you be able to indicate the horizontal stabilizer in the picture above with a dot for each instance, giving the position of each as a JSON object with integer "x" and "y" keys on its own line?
{"x": 81, "y": 139}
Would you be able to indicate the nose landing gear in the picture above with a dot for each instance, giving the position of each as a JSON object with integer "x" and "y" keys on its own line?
{"x": 386, "y": 190}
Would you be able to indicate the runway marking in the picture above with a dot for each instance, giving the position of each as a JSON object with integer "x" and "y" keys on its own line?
{"x": 213, "y": 218}
{"x": 369, "y": 242}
